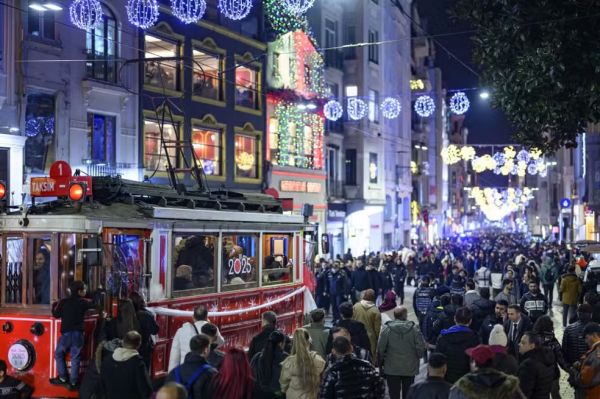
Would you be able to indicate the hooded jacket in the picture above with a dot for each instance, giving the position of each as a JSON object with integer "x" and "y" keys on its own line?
{"x": 400, "y": 348}
{"x": 536, "y": 373}
{"x": 481, "y": 308}
{"x": 192, "y": 362}
{"x": 570, "y": 288}
{"x": 124, "y": 375}
{"x": 368, "y": 314}
{"x": 488, "y": 384}
{"x": 453, "y": 342}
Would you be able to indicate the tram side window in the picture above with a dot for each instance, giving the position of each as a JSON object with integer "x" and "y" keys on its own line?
{"x": 13, "y": 279}
{"x": 240, "y": 261}
{"x": 39, "y": 252}
{"x": 278, "y": 262}
{"x": 195, "y": 261}
{"x": 80, "y": 259}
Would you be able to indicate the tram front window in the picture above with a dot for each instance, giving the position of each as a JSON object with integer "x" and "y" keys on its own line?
{"x": 278, "y": 262}
{"x": 195, "y": 261}
{"x": 39, "y": 254}
{"x": 240, "y": 266}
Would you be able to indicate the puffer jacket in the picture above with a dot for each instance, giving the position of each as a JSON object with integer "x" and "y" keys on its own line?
{"x": 453, "y": 342}
{"x": 573, "y": 342}
{"x": 291, "y": 379}
{"x": 400, "y": 348}
{"x": 487, "y": 383}
{"x": 570, "y": 288}
{"x": 536, "y": 373}
{"x": 434, "y": 311}
{"x": 349, "y": 378}
{"x": 550, "y": 342}
{"x": 191, "y": 364}
{"x": 481, "y": 308}
{"x": 367, "y": 313}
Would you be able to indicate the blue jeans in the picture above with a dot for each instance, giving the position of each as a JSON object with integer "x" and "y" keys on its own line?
{"x": 72, "y": 342}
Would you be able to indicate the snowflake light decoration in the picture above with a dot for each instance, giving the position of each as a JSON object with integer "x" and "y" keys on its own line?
{"x": 32, "y": 127}
{"x": 235, "y": 9}
{"x": 424, "y": 106}
{"x": 188, "y": 11}
{"x": 451, "y": 154}
{"x": 49, "y": 126}
{"x": 142, "y": 13}
{"x": 86, "y": 14}
{"x": 297, "y": 6}
{"x": 523, "y": 156}
{"x": 333, "y": 110}
{"x": 357, "y": 108}
{"x": 467, "y": 153}
{"x": 500, "y": 158}
{"x": 390, "y": 108}
{"x": 532, "y": 169}
{"x": 459, "y": 103}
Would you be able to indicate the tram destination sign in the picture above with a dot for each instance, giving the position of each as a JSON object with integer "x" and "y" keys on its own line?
{"x": 59, "y": 182}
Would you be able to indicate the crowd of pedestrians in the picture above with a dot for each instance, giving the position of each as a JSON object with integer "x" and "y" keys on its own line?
{"x": 482, "y": 327}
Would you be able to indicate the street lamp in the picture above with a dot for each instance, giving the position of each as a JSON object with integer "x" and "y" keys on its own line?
{"x": 484, "y": 94}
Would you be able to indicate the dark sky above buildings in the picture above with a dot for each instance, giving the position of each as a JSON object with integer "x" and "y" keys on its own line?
{"x": 486, "y": 125}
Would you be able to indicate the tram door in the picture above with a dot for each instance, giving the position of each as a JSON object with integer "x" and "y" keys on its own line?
{"x": 126, "y": 256}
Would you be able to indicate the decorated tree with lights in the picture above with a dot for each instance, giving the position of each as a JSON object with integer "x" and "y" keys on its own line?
{"x": 541, "y": 60}
{"x": 280, "y": 20}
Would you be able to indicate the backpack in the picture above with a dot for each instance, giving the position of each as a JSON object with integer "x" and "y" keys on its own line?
{"x": 549, "y": 275}
{"x": 190, "y": 383}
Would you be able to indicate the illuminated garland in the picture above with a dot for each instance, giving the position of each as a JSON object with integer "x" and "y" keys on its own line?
{"x": 291, "y": 118}
{"x": 297, "y": 6}
{"x": 317, "y": 78}
{"x": 235, "y": 9}
{"x": 281, "y": 21}
{"x": 506, "y": 162}
{"x": 333, "y": 110}
{"x": 142, "y": 13}
{"x": 497, "y": 204}
{"x": 424, "y": 106}
{"x": 188, "y": 11}
{"x": 86, "y": 14}
{"x": 459, "y": 103}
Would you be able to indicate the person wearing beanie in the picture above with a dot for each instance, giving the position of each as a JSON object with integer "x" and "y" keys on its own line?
{"x": 484, "y": 381}
{"x": 503, "y": 361}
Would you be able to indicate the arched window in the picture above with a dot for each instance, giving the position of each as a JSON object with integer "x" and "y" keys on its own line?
{"x": 101, "y": 46}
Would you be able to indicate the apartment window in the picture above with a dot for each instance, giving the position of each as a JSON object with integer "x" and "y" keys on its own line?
{"x": 154, "y": 153}
{"x": 207, "y": 145}
{"x": 351, "y": 167}
{"x": 373, "y": 106}
{"x": 101, "y": 47}
{"x": 208, "y": 75}
{"x": 246, "y": 87}
{"x": 41, "y": 24}
{"x": 351, "y": 91}
{"x": 373, "y": 48}
{"x": 246, "y": 156}
{"x": 161, "y": 73}
{"x": 330, "y": 33}
{"x": 40, "y": 127}
{"x": 101, "y": 138}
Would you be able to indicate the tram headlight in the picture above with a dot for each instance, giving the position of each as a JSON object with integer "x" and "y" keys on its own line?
{"x": 2, "y": 190}
{"x": 77, "y": 192}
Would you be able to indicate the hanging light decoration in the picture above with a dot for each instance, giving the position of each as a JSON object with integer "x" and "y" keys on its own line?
{"x": 142, "y": 13}
{"x": 390, "y": 108}
{"x": 467, "y": 153}
{"x": 235, "y": 9}
{"x": 523, "y": 156}
{"x": 500, "y": 158}
{"x": 459, "y": 103}
{"x": 297, "y": 7}
{"x": 86, "y": 14}
{"x": 188, "y": 11}
{"x": 451, "y": 154}
{"x": 357, "y": 108}
{"x": 333, "y": 110}
{"x": 535, "y": 154}
{"x": 424, "y": 106}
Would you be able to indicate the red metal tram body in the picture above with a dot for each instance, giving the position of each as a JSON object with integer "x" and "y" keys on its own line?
{"x": 176, "y": 253}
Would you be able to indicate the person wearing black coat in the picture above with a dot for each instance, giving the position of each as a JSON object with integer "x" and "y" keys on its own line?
{"x": 490, "y": 321}
{"x": 148, "y": 327}
{"x": 453, "y": 343}
{"x": 481, "y": 308}
{"x": 357, "y": 330}
{"x": 266, "y": 367}
{"x": 536, "y": 368}
{"x": 434, "y": 387}
{"x": 124, "y": 374}
{"x": 515, "y": 326}
{"x": 399, "y": 273}
{"x": 573, "y": 342}
{"x": 195, "y": 373}
{"x": 269, "y": 320}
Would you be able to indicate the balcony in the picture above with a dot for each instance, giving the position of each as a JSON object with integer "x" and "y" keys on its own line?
{"x": 334, "y": 59}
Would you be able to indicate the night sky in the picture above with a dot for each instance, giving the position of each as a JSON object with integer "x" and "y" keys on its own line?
{"x": 486, "y": 125}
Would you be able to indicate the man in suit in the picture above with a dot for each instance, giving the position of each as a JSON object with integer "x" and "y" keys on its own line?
{"x": 514, "y": 327}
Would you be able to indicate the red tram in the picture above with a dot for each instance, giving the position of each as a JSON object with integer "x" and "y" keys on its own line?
{"x": 227, "y": 250}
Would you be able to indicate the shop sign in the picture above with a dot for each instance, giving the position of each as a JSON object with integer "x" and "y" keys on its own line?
{"x": 300, "y": 186}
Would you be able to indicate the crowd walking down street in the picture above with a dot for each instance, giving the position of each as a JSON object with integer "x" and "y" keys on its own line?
{"x": 373, "y": 335}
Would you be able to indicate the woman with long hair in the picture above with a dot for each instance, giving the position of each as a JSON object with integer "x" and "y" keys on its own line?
{"x": 301, "y": 371}
{"x": 266, "y": 366}
{"x": 148, "y": 327}
{"x": 234, "y": 380}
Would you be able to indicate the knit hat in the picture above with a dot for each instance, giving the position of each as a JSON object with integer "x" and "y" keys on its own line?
{"x": 498, "y": 336}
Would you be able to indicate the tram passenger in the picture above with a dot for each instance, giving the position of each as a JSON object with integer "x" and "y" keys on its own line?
{"x": 71, "y": 312}
{"x": 41, "y": 271}
{"x": 183, "y": 278}
{"x": 12, "y": 388}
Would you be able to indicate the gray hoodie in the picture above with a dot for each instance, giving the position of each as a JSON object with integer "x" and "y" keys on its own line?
{"x": 401, "y": 346}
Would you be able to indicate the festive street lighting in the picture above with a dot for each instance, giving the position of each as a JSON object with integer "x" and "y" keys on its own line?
{"x": 235, "y": 9}
{"x": 142, "y": 13}
{"x": 424, "y": 106}
{"x": 188, "y": 11}
{"x": 333, "y": 110}
{"x": 86, "y": 14}
{"x": 297, "y": 7}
